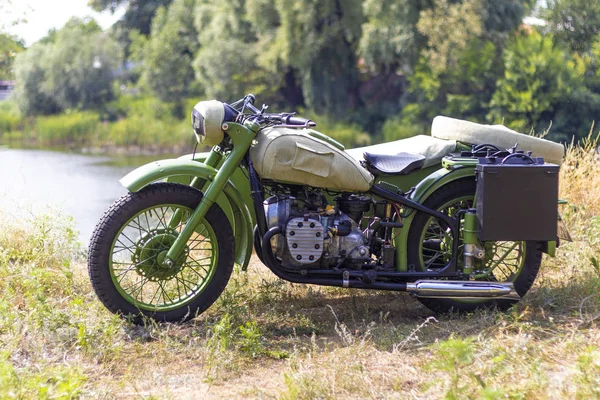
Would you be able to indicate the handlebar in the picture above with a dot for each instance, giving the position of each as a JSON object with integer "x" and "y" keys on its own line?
{"x": 282, "y": 119}
{"x": 290, "y": 120}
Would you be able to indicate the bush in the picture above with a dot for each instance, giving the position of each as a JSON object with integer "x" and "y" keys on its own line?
{"x": 10, "y": 118}
{"x": 395, "y": 129}
{"x": 350, "y": 135}
{"x": 146, "y": 131}
{"x": 66, "y": 129}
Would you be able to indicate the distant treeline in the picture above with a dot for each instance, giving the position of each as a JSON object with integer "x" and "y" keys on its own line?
{"x": 384, "y": 67}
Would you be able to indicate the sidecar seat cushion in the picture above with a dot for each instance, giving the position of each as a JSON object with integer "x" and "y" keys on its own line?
{"x": 498, "y": 135}
{"x": 399, "y": 164}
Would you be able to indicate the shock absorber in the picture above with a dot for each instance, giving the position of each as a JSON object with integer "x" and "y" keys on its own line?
{"x": 472, "y": 249}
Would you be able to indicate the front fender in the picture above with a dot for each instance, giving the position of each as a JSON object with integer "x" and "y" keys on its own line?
{"x": 230, "y": 201}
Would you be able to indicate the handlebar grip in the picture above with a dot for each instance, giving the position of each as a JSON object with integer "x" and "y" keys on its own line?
{"x": 298, "y": 121}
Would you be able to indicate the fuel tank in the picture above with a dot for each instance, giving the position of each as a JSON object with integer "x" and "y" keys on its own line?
{"x": 307, "y": 157}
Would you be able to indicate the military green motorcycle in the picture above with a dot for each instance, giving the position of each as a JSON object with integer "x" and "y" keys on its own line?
{"x": 458, "y": 219}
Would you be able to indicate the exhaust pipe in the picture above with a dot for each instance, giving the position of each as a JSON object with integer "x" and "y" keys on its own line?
{"x": 421, "y": 288}
{"x": 462, "y": 289}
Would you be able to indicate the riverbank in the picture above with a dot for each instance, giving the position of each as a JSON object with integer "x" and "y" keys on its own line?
{"x": 87, "y": 132}
{"x": 136, "y": 126}
{"x": 265, "y": 338}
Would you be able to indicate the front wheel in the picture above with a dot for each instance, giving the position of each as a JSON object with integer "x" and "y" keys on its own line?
{"x": 131, "y": 240}
{"x": 430, "y": 245}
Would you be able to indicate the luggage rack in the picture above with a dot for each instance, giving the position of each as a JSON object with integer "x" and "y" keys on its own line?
{"x": 484, "y": 151}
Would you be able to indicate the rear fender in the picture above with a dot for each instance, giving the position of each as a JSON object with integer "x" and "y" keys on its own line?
{"x": 231, "y": 201}
{"x": 422, "y": 191}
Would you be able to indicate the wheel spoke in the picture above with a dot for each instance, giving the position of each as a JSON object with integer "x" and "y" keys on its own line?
{"x": 139, "y": 274}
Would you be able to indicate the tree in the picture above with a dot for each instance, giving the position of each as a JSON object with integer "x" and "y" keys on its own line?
{"x": 138, "y": 16}
{"x": 390, "y": 39}
{"x": 168, "y": 52}
{"x": 30, "y": 76}
{"x": 449, "y": 27}
{"x": 573, "y": 22}
{"x": 75, "y": 71}
{"x": 10, "y": 46}
{"x": 500, "y": 18}
{"x": 454, "y": 45}
{"x": 227, "y": 64}
{"x": 318, "y": 41}
{"x": 538, "y": 77}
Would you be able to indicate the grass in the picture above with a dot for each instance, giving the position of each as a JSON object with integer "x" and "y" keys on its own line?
{"x": 265, "y": 338}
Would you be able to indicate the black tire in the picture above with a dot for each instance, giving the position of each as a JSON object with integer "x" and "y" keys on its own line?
{"x": 523, "y": 281}
{"x": 120, "y": 214}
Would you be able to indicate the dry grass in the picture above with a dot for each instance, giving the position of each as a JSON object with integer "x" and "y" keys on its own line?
{"x": 269, "y": 339}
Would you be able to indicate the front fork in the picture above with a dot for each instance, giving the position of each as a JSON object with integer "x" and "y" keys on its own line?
{"x": 241, "y": 137}
{"x": 213, "y": 160}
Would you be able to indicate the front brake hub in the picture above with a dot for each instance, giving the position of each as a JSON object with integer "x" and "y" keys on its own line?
{"x": 150, "y": 253}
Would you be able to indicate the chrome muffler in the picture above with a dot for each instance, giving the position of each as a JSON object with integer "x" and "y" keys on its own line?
{"x": 462, "y": 289}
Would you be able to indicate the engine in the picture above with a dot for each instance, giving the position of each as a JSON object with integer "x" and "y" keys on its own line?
{"x": 316, "y": 234}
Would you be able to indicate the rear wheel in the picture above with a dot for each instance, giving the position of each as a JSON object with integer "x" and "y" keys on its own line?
{"x": 130, "y": 243}
{"x": 430, "y": 248}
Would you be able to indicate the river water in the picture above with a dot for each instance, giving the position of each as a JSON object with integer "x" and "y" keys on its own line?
{"x": 82, "y": 186}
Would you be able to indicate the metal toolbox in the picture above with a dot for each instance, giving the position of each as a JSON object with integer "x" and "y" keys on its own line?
{"x": 517, "y": 198}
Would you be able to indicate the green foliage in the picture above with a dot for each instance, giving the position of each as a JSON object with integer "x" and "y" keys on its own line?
{"x": 10, "y": 46}
{"x": 589, "y": 374}
{"x": 142, "y": 122}
{"x": 228, "y": 63}
{"x": 65, "y": 129}
{"x": 10, "y": 118}
{"x": 168, "y": 52}
{"x": 226, "y": 335}
{"x": 573, "y": 22}
{"x": 398, "y": 128}
{"x": 350, "y": 135}
{"x": 464, "y": 88}
{"x": 74, "y": 71}
{"x": 309, "y": 52}
{"x": 45, "y": 310}
{"x": 30, "y": 76}
{"x": 462, "y": 22}
{"x": 56, "y": 382}
{"x": 137, "y": 18}
{"x": 500, "y": 18}
{"x": 453, "y": 355}
{"x": 389, "y": 38}
{"x": 537, "y": 77}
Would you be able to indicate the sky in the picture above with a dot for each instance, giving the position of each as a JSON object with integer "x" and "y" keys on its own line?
{"x": 43, "y": 15}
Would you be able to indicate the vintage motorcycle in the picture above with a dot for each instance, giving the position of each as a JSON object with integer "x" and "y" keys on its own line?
{"x": 459, "y": 219}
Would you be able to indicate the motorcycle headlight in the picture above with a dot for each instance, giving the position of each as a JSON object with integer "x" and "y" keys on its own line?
{"x": 207, "y": 120}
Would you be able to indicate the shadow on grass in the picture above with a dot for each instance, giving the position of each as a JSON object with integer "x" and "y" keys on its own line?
{"x": 289, "y": 315}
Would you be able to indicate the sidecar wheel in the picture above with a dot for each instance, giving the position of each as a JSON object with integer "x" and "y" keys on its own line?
{"x": 132, "y": 238}
{"x": 520, "y": 264}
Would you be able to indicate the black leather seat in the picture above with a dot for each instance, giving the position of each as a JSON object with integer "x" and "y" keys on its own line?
{"x": 399, "y": 164}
